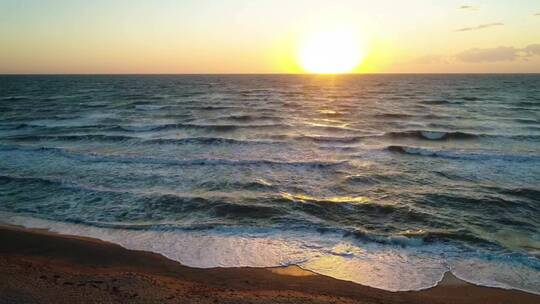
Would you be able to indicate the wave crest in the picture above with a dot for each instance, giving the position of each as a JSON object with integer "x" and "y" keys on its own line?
{"x": 432, "y": 135}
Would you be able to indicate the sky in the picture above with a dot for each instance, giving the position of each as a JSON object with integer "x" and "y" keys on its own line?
{"x": 264, "y": 36}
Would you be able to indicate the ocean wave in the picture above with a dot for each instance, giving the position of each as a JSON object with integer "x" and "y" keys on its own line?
{"x": 463, "y": 235}
{"x": 318, "y": 138}
{"x": 100, "y": 158}
{"x": 460, "y": 154}
{"x": 209, "y": 186}
{"x": 156, "y": 205}
{"x": 87, "y": 137}
{"x": 5, "y": 179}
{"x": 529, "y": 193}
{"x": 53, "y": 129}
{"x": 141, "y": 96}
{"x": 330, "y": 128}
{"x": 520, "y": 192}
{"x": 324, "y": 200}
{"x": 203, "y": 107}
{"x": 150, "y": 107}
{"x": 261, "y": 205}
{"x": 49, "y": 132}
{"x": 207, "y": 209}
{"x": 95, "y": 105}
{"x": 421, "y": 237}
{"x": 387, "y": 266}
{"x": 207, "y": 127}
{"x": 330, "y": 139}
{"x": 527, "y": 121}
{"x": 489, "y": 208}
{"x": 416, "y": 134}
{"x": 14, "y": 98}
{"x": 336, "y": 148}
{"x": 471, "y": 98}
{"x": 212, "y": 212}
{"x": 372, "y": 178}
{"x": 441, "y": 102}
{"x": 207, "y": 141}
{"x": 166, "y": 209}
{"x": 432, "y": 135}
{"x": 205, "y": 162}
{"x": 416, "y": 151}
{"x": 340, "y": 209}
{"x": 254, "y": 185}
{"x": 393, "y": 115}
{"x": 251, "y": 117}
{"x": 140, "y": 140}
{"x": 16, "y": 126}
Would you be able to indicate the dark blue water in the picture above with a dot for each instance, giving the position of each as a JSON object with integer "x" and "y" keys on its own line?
{"x": 386, "y": 180}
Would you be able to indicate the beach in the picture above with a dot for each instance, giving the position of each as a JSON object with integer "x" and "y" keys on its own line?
{"x": 37, "y": 266}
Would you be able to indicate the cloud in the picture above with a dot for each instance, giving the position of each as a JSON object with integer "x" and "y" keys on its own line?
{"x": 532, "y": 50}
{"x": 479, "y": 27}
{"x": 468, "y": 8}
{"x": 498, "y": 54}
{"x": 537, "y": 14}
{"x": 502, "y": 53}
{"x": 483, "y": 55}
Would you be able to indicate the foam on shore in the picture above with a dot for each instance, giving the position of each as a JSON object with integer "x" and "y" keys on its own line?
{"x": 388, "y": 267}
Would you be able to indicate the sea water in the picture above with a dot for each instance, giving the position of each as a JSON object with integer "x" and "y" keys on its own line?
{"x": 385, "y": 180}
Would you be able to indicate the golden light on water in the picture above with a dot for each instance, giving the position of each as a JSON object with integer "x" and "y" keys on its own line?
{"x": 334, "y": 199}
{"x": 330, "y": 52}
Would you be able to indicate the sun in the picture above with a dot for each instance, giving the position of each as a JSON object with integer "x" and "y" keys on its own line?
{"x": 330, "y": 52}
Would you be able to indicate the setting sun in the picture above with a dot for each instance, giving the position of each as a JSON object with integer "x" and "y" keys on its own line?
{"x": 330, "y": 52}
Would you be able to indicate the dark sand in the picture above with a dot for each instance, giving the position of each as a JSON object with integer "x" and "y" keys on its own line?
{"x": 42, "y": 267}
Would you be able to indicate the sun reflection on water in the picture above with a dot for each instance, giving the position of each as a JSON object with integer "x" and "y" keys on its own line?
{"x": 334, "y": 199}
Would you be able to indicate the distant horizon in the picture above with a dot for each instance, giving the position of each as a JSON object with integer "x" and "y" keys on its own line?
{"x": 266, "y": 74}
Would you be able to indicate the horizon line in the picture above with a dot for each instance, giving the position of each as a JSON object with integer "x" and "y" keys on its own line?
{"x": 268, "y": 74}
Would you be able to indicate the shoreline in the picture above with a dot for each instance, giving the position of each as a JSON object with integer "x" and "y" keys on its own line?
{"x": 39, "y": 266}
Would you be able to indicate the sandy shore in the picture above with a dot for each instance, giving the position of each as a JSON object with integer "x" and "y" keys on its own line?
{"x": 42, "y": 267}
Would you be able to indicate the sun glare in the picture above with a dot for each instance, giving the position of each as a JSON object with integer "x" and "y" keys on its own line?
{"x": 330, "y": 52}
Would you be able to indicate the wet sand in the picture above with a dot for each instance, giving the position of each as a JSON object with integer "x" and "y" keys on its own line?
{"x": 42, "y": 267}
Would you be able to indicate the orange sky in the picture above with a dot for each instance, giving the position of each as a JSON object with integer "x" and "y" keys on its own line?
{"x": 236, "y": 36}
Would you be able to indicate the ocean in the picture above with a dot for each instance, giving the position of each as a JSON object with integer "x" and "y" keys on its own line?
{"x": 385, "y": 180}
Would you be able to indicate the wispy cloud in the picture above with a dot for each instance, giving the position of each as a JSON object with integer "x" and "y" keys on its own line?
{"x": 502, "y": 53}
{"x": 468, "y": 8}
{"x": 532, "y": 50}
{"x": 479, "y": 27}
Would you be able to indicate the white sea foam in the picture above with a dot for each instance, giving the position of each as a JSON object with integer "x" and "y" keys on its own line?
{"x": 388, "y": 267}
